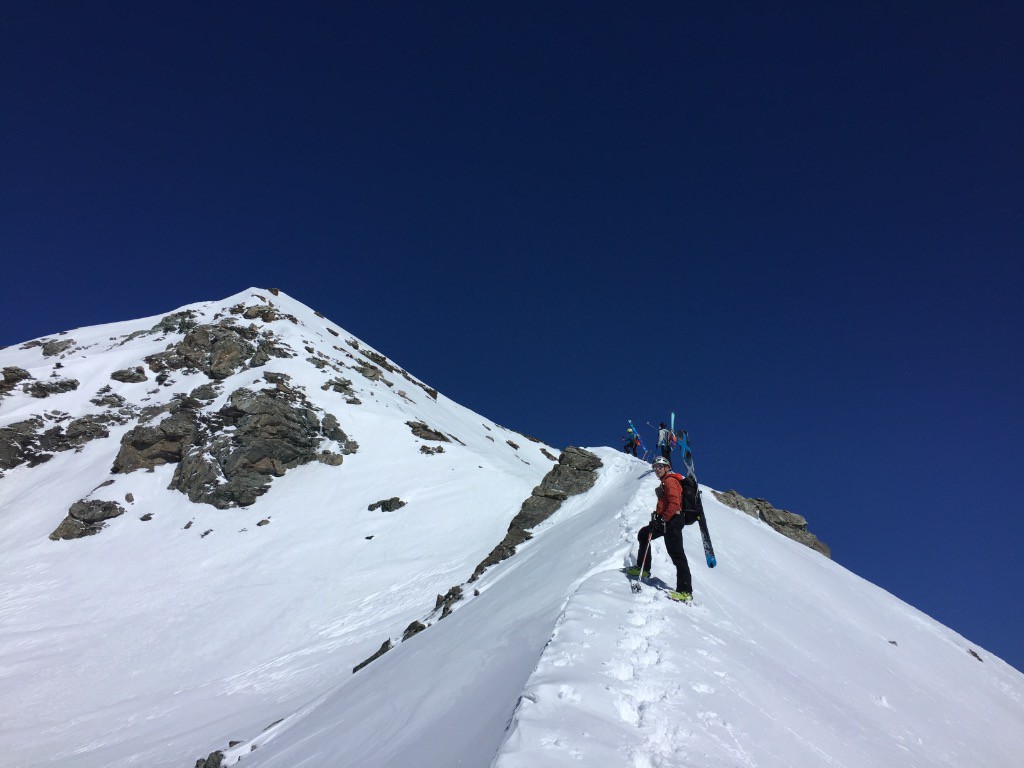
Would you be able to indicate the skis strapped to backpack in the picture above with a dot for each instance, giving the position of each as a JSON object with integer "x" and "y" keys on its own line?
{"x": 709, "y": 550}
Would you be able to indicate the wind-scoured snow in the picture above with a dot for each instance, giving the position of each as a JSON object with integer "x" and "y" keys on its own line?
{"x": 150, "y": 644}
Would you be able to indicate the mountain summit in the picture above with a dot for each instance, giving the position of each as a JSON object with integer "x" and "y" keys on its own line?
{"x": 211, "y": 518}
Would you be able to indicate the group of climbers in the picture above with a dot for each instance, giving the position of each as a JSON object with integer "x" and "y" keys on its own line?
{"x": 677, "y": 505}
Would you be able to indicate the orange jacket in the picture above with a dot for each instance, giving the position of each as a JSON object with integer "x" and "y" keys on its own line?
{"x": 670, "y": 496}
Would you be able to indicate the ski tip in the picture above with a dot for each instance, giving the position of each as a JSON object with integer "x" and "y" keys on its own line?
{"x": 712, "y": 562}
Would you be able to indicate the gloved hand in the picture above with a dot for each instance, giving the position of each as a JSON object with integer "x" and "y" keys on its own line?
{"x": 657, "y": 524}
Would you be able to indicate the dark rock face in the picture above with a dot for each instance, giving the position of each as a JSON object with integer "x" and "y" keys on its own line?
{"x": 341, "y": 386}
{"x": 575, "y": 473}
{"x": 86, "y": 518}
{"x": 27, "y": 442}
{"x": 217, "y": 350}
{"x": 424, "y": 432}
{"x": 18, "y": 442}
{"x": 43, "y": 389}
{"x": 130, "y": 375}
{"x": 387, "y": 505}
{"x": 259, "y": 437}
{"x": 259, "y": 312}
{"x": 179, "y": 322}
{"x": 12, "y": 376}
{"x": 447, "y": 600}
{"x": 214, "y": 760}
{"x": 228, "y": 458}
{"x": 789, "y": 524}
{"x": 52, "y": 348}
{"x": 205, "y": 392}
{"x": 333, "y": 431}
{"x": 80, "y": 431}
{"x": 107, "y": 399}
{"x": 413, "y": 629}
{"x": 148, "y": 446}
{"x": 384, "y": 648}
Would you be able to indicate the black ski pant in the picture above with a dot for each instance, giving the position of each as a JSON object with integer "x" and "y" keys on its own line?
{"x": 666, "y": 451}
{"x": 674, "y": 544}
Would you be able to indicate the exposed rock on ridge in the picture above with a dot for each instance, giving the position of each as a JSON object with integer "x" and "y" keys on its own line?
{"x": 575, "y": 473}
{"x": 789, "y": 524}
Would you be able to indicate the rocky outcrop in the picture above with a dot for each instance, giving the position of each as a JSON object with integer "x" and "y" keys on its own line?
{"x": 41, "y": 389}
{"x": 386, "y": 646}
{"x": 387, "y": 505}
{"x": 130, "y": 375}
{"x": 789, "y": 524}
{"x": 52, "y": 348}
{"x": 228, "y": 458}
{"x": 413, "y": 629}
{"x": 266, "y": 313}
{"x": 178, "y": 322}
{"x": 424, "y": 432}
{"x": 213, "y": 760}
{"x": 30, "y": 442}
{"x": 19, "y": 443}
{"x": 447, "y": 600}
{"x": 12, "y": 376}
{"x": 150, "y": 445}
{"x": 86, "y": 518}
{"x": 259, "y": 436}
{"x": 575, "y": 473}
{"x": 218, "y": 350}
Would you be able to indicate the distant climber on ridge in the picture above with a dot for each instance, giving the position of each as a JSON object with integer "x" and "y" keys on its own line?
{"x": 664, "y": 441}
{"x": 631, "y": 441}
{"x": 667, "y": 520}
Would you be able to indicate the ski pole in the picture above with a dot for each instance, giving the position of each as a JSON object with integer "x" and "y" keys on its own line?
{"x": 640, "y": 564}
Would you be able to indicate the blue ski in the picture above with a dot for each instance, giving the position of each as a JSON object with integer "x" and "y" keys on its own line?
{"x": 705, "y": 534}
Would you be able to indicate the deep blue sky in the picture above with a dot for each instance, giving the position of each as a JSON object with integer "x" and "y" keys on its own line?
{"x": 799, "y": 227}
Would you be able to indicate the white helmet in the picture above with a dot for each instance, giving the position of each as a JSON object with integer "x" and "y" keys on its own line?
{"x": 661, "y": 461}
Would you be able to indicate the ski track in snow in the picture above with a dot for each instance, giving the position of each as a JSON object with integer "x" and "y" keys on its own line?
{"x": 627, "y": 678}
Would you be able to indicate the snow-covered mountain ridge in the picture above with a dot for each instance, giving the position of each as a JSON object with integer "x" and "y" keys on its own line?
{"x": 247, "y": 574}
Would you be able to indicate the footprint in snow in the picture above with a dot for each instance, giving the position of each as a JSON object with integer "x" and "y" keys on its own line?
{"x": 640, "y": 760}
{"x": 628, "y": 711}
{"x": 649, "y": 657}
{"x": 648, "y": 692}
{"x": 632, "y": 642}
{"x": 620, "y": 670}
{"x": 567, "y": 693}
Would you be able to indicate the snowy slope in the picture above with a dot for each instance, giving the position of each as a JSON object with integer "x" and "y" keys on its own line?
{"x": 148, "y": 641}
{"x": 787, "y": 660}
{"x": 150, "y": 644}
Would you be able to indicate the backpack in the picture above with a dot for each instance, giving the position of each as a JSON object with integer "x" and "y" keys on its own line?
{"x": 691, "y": 500}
